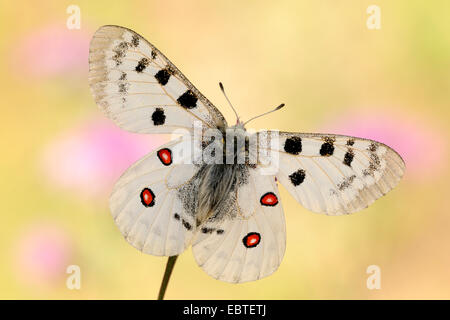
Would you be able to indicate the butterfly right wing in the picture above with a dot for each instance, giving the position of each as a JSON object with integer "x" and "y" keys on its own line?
{"x": 140, "y": 89}
{"x": 146, "y": 203}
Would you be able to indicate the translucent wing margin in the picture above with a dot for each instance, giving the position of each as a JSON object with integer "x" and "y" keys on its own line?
{"x": 335, "y": 174}
{"x": 140, "y": 89}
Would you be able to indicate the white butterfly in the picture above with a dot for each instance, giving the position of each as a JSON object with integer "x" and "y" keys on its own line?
{"x": 230, "y": 213}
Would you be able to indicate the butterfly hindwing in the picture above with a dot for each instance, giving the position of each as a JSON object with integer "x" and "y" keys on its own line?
{"x": 147, "y": 206}
{"x": 247, "y": 243}
{"x": 140, "y": 89}
{"x": 336, "y": 174}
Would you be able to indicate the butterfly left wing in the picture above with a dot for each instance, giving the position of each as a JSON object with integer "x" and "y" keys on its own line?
{"x": 140, "y": 89}
{"x": 334, "y": 174}
{"x": 247, "y": 240}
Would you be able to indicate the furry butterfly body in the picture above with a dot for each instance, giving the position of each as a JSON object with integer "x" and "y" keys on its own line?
{"x": 228, "y": 209}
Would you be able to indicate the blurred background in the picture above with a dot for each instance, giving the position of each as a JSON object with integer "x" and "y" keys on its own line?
{"x": 61, "y": 156}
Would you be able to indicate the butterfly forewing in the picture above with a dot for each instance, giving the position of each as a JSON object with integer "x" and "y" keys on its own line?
{"x": 140, "y": 89}
{"x": 336, "y": 174}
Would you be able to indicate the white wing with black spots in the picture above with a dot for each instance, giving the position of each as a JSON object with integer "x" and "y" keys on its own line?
{"x": 249, "y": 242}
{"x": 335, "y": 174}
{"x": 146, "y": 204}
{"x": 140, "y": 89}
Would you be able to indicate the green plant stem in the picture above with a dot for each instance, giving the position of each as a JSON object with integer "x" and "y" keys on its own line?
{"x": 169, "y": 267}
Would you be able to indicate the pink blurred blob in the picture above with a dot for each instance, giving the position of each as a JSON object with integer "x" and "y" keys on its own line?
{"x": 42, "y": 254}
{"x": 419, "y": 142}
{"x": 51, "y": 51}
{"x": 88, "y": 159}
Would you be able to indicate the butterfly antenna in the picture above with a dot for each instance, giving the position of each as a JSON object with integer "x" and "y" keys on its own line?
{"x": 223, "y": 91}
{"x": 277, "y": 108}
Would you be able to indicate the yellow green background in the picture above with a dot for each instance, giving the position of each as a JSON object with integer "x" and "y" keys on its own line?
{"x": 318, "y": 57}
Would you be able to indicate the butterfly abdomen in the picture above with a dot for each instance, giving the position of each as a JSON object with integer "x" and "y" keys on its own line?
{"x": 210, "y": 194}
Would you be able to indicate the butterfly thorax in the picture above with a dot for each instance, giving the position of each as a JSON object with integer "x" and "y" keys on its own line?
{"x": 236, "y": 142}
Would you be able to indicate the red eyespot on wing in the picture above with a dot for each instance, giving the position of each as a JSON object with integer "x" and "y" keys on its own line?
{"x": 251, "y": 240}
{"x": 147, "y": 197}
{"x": 165, "y": 156}
{"x": 269, "y": 199}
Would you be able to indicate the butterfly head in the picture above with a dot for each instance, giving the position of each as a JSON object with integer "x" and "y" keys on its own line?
{"x": 239, "y": 126}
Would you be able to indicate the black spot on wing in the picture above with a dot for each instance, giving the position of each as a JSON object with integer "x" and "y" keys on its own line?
{"x": 293, "y": 145}
{"x": 348, "y": 158}
{"x": 346, "y": 183}
{"x": 153, "y": 54}
{"x": 372, "y": 147}
{"x": 375, "y": 159}
{"x": 350, "y": 142}
{"x": 188, "y": 100}
{"x": 162, "y": 76}
{"x": 158, "y": 117}
{"x": 176, "y": 216}
{"x": 143, "y": 63}
{"x": 211, "y": 230}
{"x": 120, "y": 52}
{"x": 135, "y": 41}
{"x": 123, "y": 87}
{"x": 297, "y": 177}
{"x": 374, "y": 165}
{"x": 327, "y": 149}
{"x": 207, "y": 230}
{"x": 186, "y": 224}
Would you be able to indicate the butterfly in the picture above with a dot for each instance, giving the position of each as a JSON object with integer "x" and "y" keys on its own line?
{"x": 230, "y": 212}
